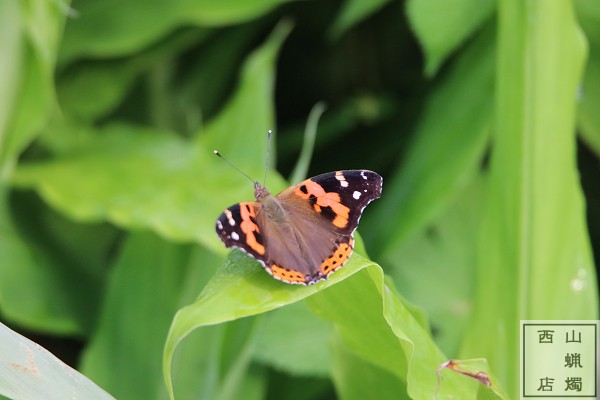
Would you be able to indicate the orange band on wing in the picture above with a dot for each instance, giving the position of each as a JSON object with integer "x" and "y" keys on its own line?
{"x": 338, "y": 258}
{"x": 325, "y": 199}
{"x": 286, "y": 275}
{"x": 250, "y": 228}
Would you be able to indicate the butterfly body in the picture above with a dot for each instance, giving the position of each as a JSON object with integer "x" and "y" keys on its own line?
{"x": 306, "y": 232}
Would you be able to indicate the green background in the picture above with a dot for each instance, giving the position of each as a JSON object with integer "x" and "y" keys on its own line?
{"x": 483, "y": 117}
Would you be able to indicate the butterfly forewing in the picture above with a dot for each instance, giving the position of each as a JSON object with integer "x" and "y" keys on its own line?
{"x": 241, "y": 226}
{"x": 338, "y": 197}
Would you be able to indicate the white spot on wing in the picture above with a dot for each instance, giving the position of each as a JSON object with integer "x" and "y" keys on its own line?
{"x": 362, "y": 173}
{"x": 339, "y": 175}
{"x": 219, "y": 225}
{"x": 235, "y": 236}
{"x": 229, "y": 216}
{"x": 356, "y": 195}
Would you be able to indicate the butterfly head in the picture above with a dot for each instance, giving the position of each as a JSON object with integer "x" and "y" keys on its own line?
{"x": 260, "y": 192}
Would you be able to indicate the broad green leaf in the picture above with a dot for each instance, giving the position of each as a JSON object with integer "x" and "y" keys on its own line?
{"x": 128, "y": 26}
{"x": 288, "y": 353}
{"x": 357, "y": 379}
{"x": 589, "y": 118}
{"x": 42, "y": 286}
{"x": 436, "y": 268}
{"x": 10, "y": 64}
{"x": 534, "y": 258}
{"x": 110, "y": 80}
{"x": 240, "y": 131}
{"x": 352, "y": 13}
{"x": 28, "y": 372}
{"x": 144, "y": 290}
{"x": 367, "y": 312}
{"x": 150, "y": 280}
{"x": 198, "y": 93}
{"x": 29, "y": 37}
{"x": 446, "y": 150}
{"x": 127, "y": 175}
{"x": 588, "y": 15}
{"x": 239, "y": 289}
{"x": 442, "y": 26}
{"x": 588, "y": 12}
{"x": 289, "y": 387}
{"x": 254, "y": 385}
{"x": 375, "y": 325}
{"x": 144, "y": 178}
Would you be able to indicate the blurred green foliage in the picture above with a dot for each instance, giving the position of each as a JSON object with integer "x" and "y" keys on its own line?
{"x": 470, "y": 109}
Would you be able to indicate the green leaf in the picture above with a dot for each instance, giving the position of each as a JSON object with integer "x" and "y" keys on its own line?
{"x": 240, "y": 131}
{"x": 288, "y": 352}
{"x": 366, "y": 311}
{"x": 147, "y": 285}
{"x": 534, "y": 258}
{"x": 101, "y": 31}
{"x": 31, "y": 372}
{"x": 376, "y": 326}
{"x": 164, "y": 183}
{"x": 30, "y": 31}
{"x": 589, "y": 118}
{"x": 110, "y": 80}
{"x": 436, "y": 268}
{"x": 150, "y": 280}
{"x": 588, "y": 13}
{"x": 352, "y": 13}
{"x": 42, "y": 286}
{"x": 445, "y": 153}
{"x": 239, "y": 289}
{"x": 357, "y": 379}
{"x": 442, "y": 26}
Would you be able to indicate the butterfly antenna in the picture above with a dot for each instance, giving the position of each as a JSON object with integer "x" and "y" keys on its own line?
{"x": 269, "y": 134}
{"x": 232, "y": 165}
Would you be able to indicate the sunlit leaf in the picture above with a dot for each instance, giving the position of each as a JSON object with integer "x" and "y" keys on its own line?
{"x": 589, "y": 118}
{"x": 436, "y": 268}
{"x": 100, "y": 30}
{"x": 288, "y": 352}
{"x": 445, "y": 153}
{"x": 353, "y": 12}
{"x": 534, "y": 258}
{"x": 147, "y": 178}
{"x": 144, "y": 291}
{"x": 28, "y": 371}
{"x": 356, "y": 378}
{"x": 30, "y": 32}
{"x": 40, "y": 287}
{"x": 367, "y": 312}
{"x": 441, "y": 26}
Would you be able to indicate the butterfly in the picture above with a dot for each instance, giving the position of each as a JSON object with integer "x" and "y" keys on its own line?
{"x": 306, "y": 232}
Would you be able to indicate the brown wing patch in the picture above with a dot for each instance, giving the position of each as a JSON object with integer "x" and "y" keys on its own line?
{"x": 286, "y": 275}
{"x": 326, "y": 203}
{"x": 250, "y": 228}
{"x": 338, "y": 258}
